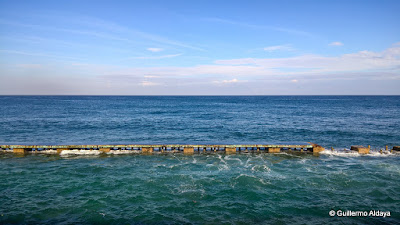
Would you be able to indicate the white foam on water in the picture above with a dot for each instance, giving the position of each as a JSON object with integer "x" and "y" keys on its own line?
{"x": 259, "y": 168}
{"x": 340, "y": 153}
{"x": 276, "y": 175}
{"x": 347, "y": 153}
{"x": 176, "y": 165}
{"x": 223, "y": 167}
{"x": 233, "y": 159}
{"x": 189, "y": 189}
{"x": 383, "y": 154}
{"x": 246, "y": 165}
{"x": 122, "y": 152}
{"x": 245, "y": 175}
{"x": 303, "y": 161}
{"x": 173, "y": 155}
{"x": 45, "y": 152}
{"x": 4, "y": 150}
{"x": 221, "y": 159}
{"x": 264, "y": 182}
{"x": 80, "y": 152}
{"x": 309, "y": 169}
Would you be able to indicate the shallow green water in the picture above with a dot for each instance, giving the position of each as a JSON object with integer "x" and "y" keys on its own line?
{"x": 199, "y": 189}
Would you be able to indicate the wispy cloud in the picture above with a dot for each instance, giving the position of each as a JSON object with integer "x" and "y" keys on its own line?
{"x": 336, "y": 43}
{"x": 262, "y": 27}
{"x": 106, "y": 30}
{"x": 157, "y": 57}
{"x": 113, "y": 27}
{"x": 278, "y": 48}
{"x": 61, "y": 43}
{"x": 47, "y": 55}
{"x": 155, "y": 49}
{"x": 30, "y": 66}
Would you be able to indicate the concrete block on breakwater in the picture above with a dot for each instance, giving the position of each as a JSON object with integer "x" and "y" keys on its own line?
{"x": 176, "y": 148}
{"x": 360, "y": 149}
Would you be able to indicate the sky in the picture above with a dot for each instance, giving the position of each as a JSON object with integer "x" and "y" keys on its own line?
{"x": 298, "y": 47}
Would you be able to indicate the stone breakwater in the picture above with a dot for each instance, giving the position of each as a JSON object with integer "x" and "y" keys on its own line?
{"x": 187, "y": 149}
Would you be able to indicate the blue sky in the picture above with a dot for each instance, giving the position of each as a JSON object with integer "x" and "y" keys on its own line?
{"x": 200, "y": 47}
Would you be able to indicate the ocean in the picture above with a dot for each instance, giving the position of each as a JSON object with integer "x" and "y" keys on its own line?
{"x": 201, "y": 188}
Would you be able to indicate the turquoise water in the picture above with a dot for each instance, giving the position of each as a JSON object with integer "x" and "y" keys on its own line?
{"x": 201, "y": 188}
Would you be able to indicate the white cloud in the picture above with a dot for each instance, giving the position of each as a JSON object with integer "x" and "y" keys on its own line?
{"x": 232, "y": 81}
{"x": 278, "y": 48}
{"x": 355, "y": 64}
{"x": 336, "y": 43}
{"x": 150, "y": 76}
{"x": 148, "y": 83}
{"x": 360, "y": 61}
{"x": 363, "y": 66}
{"x": 379, "y": 63}
{"x": 155, "y": 49}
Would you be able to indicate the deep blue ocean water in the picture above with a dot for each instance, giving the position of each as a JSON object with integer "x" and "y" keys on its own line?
{"x": 338, "y": 121}
{"x": 200, "y": 188}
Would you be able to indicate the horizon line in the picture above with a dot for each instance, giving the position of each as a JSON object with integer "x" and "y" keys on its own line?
{"x": 2, "y": 95}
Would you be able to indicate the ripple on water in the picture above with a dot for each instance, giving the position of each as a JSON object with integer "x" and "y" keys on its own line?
{"x": 168, "y": 189}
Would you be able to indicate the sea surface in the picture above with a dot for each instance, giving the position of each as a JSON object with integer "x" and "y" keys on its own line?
{"x": 245, "y": 188}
